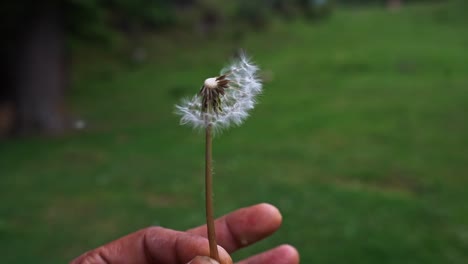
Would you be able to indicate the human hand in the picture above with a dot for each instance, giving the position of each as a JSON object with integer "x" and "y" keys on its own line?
{"x": 158, "y": 245}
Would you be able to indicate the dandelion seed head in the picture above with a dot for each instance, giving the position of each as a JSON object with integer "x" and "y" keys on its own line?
{"x": 225, "y": 100}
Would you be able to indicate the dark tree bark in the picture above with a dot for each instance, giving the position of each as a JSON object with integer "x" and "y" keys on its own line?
{"x": 41, "y": 73}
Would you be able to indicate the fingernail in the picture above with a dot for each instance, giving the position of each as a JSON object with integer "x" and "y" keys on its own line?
{"x": 203, "y": 260}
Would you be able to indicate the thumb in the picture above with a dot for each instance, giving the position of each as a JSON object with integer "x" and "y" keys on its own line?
{"x": 203, "y": 260}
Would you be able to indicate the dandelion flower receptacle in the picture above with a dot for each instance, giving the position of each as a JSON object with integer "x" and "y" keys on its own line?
{"x": 222, "y": 101}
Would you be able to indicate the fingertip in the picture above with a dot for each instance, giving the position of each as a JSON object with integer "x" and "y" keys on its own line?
{"x": 288, "y": 252}
{"x": 250, "y": 224}
{"x": 203, "y": 260}
{"x": 187, "y": 246}
{"x": 271, "y": 212}
{"x": 265, "y": 218}
{"x": 224, "y": 256}
{"x": 285, "y": 254}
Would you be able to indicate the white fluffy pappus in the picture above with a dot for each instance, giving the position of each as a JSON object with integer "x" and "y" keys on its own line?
{"x": 236, "y": 97}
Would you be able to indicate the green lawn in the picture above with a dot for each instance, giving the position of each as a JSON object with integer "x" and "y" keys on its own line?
{"x": 360, "y": 139}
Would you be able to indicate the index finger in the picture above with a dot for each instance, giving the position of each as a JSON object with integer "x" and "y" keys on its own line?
{"x": 244, "y": 226}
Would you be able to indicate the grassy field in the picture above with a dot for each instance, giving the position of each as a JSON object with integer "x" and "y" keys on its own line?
{"x": 360, "y": 139}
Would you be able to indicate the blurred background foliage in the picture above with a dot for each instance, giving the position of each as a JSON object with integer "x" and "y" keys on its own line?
{"x": 360, "y": 137}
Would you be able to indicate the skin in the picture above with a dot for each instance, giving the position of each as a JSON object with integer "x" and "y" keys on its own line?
{"x": 235, "y": 230}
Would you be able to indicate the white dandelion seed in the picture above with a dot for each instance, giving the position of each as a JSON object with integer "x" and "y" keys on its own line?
{"x": 225, "y": 100}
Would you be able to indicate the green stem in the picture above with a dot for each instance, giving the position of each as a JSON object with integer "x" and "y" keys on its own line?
{"x": 209, "y": 195}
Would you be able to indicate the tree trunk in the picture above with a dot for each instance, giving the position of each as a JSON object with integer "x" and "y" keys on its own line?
{"x": 41, "y": 75}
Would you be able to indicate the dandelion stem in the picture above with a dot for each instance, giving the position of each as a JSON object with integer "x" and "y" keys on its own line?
{"x": 209, "y": 195}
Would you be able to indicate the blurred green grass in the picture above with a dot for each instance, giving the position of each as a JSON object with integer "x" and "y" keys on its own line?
{"x": 360, "y": 139}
